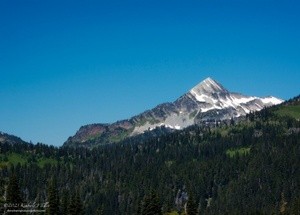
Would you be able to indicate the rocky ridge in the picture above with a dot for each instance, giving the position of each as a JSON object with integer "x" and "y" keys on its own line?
{"x": 208, "y": 100}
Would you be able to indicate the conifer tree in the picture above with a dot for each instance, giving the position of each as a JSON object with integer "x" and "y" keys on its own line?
{"x": 295, "y": 208}
{"x": 53, "y": 199}
{"x": 191, "y": 206}
{"x": 13, "y": 194}
{"x": 65, "y": 203}
{"x": 100, "y": 210}
{"x": 151, "y": 205}
{"x": 76, "y": 206}
{"x": 139, "y": 208}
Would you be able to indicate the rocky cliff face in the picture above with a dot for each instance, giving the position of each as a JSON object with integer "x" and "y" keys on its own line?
{"x": 209, "y": 100}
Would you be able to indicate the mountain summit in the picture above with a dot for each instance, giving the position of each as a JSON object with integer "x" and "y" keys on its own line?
{"x": 207, "y": 101}
{"x": 207, "y": 86}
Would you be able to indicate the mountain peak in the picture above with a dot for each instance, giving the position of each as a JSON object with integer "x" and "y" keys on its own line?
{"x": 209, "y": 79}
{"x": 207, "y": 86}
{"x": 207, "y": 101}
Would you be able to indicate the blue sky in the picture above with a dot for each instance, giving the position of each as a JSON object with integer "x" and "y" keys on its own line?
{"x": 64, "y": 64}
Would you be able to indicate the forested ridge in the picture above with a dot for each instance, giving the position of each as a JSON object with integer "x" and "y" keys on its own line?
{"x": 246, "y": 167}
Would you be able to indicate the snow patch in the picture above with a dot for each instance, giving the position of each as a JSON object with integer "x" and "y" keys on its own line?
{"x": 245, "y": 109}
{"x": 203, "y": 97}
{"x": 200, "y": 98}
{"x": 242, "y": 100}
{"x": 271, "y": 100}
{"x": 203, "y": 110}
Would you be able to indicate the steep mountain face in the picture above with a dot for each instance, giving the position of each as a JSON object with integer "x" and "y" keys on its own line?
{"x": 209, "y": 100}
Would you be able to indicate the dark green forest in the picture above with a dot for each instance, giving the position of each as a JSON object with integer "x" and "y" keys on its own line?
{"x": 249, "y": 166}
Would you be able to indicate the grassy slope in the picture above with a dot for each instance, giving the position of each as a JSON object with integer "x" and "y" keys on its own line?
{"x": 292, "y": 111}
{"x": 14, "y": 159}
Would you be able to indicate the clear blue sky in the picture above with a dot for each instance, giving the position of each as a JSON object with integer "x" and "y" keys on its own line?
{"x": 64, "y": 64}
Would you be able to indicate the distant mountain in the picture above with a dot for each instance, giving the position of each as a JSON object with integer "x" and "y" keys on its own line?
{"x": 11, "y": 139}
{"x": 207, "y": 101}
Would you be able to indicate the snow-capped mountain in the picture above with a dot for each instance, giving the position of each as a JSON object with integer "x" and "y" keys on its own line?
{"x": 209, "y": 100}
